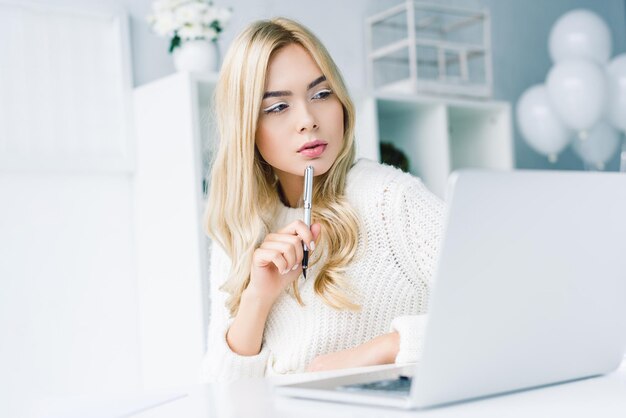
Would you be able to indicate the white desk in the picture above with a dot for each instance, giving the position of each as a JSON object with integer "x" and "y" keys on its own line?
{"x": 596, "y": 397}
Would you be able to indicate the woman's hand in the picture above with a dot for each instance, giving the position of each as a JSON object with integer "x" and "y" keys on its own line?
{"x": 278, "y": 261}
{"x": 278, "y": 254}
{"x": 381, "y": 350}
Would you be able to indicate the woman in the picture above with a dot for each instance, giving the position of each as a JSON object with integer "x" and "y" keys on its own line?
{"x": 281, "y": 106}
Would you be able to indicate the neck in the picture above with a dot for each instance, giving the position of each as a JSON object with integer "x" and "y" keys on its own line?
{"x": 292, "y": 187}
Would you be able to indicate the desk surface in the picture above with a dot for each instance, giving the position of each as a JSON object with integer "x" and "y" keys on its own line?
{"x": 603, "y": 396}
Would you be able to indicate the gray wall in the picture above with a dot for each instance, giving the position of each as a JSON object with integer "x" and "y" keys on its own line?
{"x": 520, "y": 33}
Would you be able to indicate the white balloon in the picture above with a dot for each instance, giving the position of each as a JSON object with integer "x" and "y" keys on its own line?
{"x": 580, "y": 34}
{"x": 599, "y": 146}
{"x": 577, "y": 90}
{"x": 616, "y": 82}
{"x": 539, "y": 124}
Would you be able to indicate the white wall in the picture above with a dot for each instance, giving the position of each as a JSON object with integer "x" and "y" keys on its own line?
{"x": 68, "y": 289}
{"x": 68, "y": 304}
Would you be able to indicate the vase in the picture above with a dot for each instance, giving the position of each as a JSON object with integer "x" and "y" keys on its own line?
{"x": 199, "y": 56}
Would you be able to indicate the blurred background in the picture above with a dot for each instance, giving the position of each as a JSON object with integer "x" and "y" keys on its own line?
{"x": 106, "y": 139}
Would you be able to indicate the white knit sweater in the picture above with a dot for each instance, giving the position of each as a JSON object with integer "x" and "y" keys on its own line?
{"x": 398, "y": 242}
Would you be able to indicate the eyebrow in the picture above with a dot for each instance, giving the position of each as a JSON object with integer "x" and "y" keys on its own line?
{"x": 288, "y": 93}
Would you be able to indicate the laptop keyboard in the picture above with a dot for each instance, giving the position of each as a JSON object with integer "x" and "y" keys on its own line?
{"x": 401, "y": 385}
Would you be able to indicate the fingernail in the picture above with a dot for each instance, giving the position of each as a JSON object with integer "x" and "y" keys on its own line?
{"x": 295, "y": 267}
{"x": 312, "y": 245}
{"x": 285, "y": 272}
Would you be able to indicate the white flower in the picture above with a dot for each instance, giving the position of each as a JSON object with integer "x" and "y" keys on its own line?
{"x": 188, "y": 19}
{"x": 209, "y": 16}
{"x": 165, "y": 5}
{"x": 210, "y": 33}
{"x": 165, "y": 24}
{"x": 190, "y": 13}
{"x": 191, "y": 31}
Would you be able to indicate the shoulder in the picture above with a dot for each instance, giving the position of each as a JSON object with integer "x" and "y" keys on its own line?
{"x": 382, "y": 193}
{"x": 370, "y": 178}
{"x": 365, "y": 169}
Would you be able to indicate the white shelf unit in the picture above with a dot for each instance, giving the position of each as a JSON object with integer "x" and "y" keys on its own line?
{"x": 171, "y": 127}
{"x": 438, "y": 135}
{"x": 427, "y": 48}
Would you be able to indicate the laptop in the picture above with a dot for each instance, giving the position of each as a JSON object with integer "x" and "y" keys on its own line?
{"x": 530, "y": 290}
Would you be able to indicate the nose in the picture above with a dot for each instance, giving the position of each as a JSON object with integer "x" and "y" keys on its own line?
{"x": 307, "y": 120}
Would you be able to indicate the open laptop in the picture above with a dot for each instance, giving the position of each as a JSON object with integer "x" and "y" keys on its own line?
{"x": 530, "y": 290}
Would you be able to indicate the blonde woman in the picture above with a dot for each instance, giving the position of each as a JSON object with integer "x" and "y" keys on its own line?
{"x": 282, "y": 105}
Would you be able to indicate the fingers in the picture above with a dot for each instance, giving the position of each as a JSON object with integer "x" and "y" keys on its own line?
{"x": 316, "y": 230}
{"x": 300, "y": 229}
{"x": 292, "y": 240}
{"x": 290, "y": 251}
{"x": 283, "y": 249}
{"x": 263, "y": 257}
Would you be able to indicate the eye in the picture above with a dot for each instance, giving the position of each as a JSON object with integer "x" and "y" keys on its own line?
{"x": 322, "y": 94}
{"x": 277, "y": 108}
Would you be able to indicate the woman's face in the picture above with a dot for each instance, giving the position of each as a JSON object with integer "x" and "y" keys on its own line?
{"x": 301, "y": 119}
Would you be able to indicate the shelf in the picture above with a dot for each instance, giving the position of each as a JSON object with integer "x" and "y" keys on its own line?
{"x": 422, "y": 48}
{"x": 173, "y": 124}
{"x": 438, "y": 135}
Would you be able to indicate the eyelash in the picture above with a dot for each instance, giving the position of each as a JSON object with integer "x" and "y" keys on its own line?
{"x": 273, "y": 109}
{"x": 326, "y": 92}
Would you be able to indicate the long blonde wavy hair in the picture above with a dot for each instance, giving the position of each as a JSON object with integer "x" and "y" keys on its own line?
{"x": 243, "y": 194}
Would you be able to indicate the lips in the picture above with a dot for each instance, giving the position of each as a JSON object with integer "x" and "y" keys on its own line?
{"x": 312, "y": 144}
{"x": 313, "y": 148}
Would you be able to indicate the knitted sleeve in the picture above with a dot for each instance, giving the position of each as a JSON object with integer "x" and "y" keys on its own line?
{"x": 220, "y": 363}
{"x": 419, "y": 224}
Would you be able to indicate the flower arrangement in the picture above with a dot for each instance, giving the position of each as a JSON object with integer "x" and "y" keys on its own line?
{"x": 184, "y": 20}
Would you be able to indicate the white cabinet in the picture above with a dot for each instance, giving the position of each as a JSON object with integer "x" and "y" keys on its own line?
{"x": 438, "y": 135}
{"x": 171, "y": 125}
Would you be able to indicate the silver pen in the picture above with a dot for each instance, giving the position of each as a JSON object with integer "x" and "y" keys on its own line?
{"x": 308, "y": 203}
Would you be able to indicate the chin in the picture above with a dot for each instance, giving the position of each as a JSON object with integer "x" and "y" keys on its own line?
{"x": 320, "y": 165}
